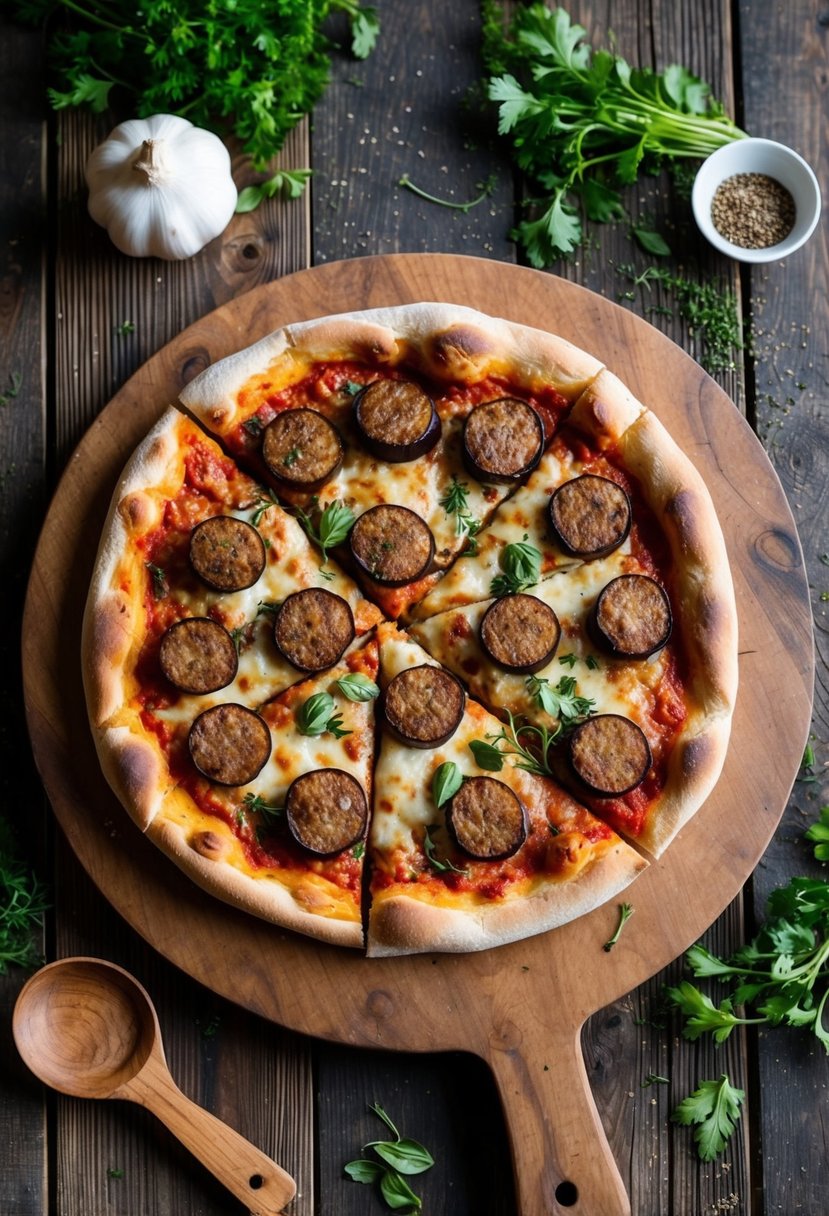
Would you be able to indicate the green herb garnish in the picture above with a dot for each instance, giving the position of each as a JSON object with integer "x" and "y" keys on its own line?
{"x": 520, "y": 569}
{"x": 818, "y": 833}
{"x": 625, "y": 913}
{"x": 455, "y": 502}
{"x": 357, "y": 687}
{"x": 533, "y": 757}
{"x": 446, "y": 781}
{"x": 317, "y": 715}
{"x": 583, "y": 123}
{"x": 270, "y": 812}
{"x": 262, "y": 64}
{"x": 22, "y": 904}
{"x": 332, "y": 527}
{"x": 561, "y": 702}
{"x": 485, "y": 189}
{"x": 125, "y": 329}
{"x": 287, "y": 183}
{"x": 783, "y": 973}
{"x": 714, "y": 1107}
{"x": 398, "y": 1157}
{"x": 263, "y": 503}
{"x": 442, "y": 867}
{"x": 290, "y": 458}
{"x": 160, "y": 585}
{"x": 15, "y": 385}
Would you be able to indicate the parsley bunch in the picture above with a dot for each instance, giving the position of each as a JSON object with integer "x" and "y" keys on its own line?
{"x": 255, "y": 66}
{"x": 783, "y": 972}
{"x": 584, "y": 122}
{"x": 22, "y": 904}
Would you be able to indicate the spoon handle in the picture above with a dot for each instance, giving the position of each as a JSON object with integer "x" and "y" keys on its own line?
{"x": 262, "y": 1185}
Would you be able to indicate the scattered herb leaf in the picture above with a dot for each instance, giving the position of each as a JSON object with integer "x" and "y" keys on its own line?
{"x": 357, "y": 687}
{"x": 520, "y": 569}
{"x": 818, "y": 833}
{"x": 288, "y": 183}
{"x": 398, "y": 1156}
{"x": 485, "y": 189}
{"x": 317, "y": 715}
{"x": 332, "y": 527}
{"x": 625, "y": 913}
{"x": 715, "y": 1108}
{"x": 455, "y": 502}
{"x": 159, "y": 578}
{"x": 442, "y": 867}
{"x": 125, "y": 328}
{"x": 446, "y": 781}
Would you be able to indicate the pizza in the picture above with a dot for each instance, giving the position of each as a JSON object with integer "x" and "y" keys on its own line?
{"x": 411, "y": 630}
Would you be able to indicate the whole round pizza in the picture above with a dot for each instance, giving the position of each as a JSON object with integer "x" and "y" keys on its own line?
{"x": 411, "y": 630}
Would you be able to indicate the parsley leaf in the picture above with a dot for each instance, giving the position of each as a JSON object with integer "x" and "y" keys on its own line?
{"x": 715, "y": 1108}
{"x": 818, "y": 833}
{"x": 562, "y": 702}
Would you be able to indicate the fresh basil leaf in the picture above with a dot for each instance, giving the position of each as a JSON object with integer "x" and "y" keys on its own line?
{"x": 364, "y": 1170}
{"x": 520, "y": 569}
{"x": 397, "y": 1192}
{"x": 486, "y": 755}
{"x": 313, "y": 715}
{"x": 357, "y": 687}
{"x": 406, "y": 1156}
{"x": 446, "y": 782}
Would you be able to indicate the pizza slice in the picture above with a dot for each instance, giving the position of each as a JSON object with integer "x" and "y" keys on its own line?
{"x": 204, "y": 592}
{"x": 419, "y": 418}
{"x": 286, "y": 839}
{"x": 460, "y": 859}
{"x": 628, "y": 658}
{"x": 520, "y": 547}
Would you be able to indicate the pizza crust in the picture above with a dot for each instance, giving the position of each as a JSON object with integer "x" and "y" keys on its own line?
{"x": 403, "y": 925}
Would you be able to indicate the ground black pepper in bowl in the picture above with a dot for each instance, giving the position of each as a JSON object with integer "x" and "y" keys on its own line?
{"x": 752, "y": 210}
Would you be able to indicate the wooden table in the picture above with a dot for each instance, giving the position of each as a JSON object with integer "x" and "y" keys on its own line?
{"x": 65, "y": 298}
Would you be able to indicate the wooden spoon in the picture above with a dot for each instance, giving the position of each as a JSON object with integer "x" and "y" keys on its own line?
{"x": 88, "y": 1028}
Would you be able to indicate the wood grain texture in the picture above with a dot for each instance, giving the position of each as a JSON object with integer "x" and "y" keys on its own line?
{"x": 499, "y": 1004}
{"x": 23, "y": 1174}
{"x": 790, "y": 324}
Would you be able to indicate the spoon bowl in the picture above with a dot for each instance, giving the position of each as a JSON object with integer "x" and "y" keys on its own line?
{"x": 87, "y": 1028}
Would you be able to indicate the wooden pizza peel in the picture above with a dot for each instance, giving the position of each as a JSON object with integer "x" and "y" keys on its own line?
{"x": 520, "y": 1007}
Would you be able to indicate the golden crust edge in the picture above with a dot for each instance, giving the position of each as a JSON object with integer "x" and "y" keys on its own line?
{"x": 400, "y": 924}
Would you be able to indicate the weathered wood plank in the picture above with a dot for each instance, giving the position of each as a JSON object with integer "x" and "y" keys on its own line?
{"x": 23, "y": 1187}
{"x": 787, "y": 101}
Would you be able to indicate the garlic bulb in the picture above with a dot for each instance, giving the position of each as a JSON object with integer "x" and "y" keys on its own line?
{"x": 161, "y": 187}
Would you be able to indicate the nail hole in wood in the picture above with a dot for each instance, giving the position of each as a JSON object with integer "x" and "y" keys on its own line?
{"x": 256, "y": 1182}
{"x": 250, "y": 252}
{"x": 567, "y": 1193}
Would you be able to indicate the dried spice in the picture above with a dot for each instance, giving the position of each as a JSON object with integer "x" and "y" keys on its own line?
{"x": 752, "y": 210}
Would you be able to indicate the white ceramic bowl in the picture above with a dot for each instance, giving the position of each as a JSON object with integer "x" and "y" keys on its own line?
{"x": 758, "y": 156}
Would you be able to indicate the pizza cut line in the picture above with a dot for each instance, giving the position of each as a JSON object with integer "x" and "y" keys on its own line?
{"x": 412, "y": 631}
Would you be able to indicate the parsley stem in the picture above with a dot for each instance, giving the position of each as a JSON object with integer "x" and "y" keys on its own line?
{"x": 442, "y": 202}
{"x": 96, "y": 20}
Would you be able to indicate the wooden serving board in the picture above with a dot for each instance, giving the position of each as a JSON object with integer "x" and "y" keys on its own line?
{"x": 519, "y": 1007}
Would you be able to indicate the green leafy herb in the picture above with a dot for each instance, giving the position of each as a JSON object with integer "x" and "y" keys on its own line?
{"x": 254, "y": 426}
{"x": 569, "y": 660}
{"x": 652, "y": 242}
{"x": 783, "y": 973}
{"x": 255, "y": 65}
{"x": 807, "y": 775}
{"x": 455, "y": 502}
{"x": 271, "y": 814}
{"x": 22, "y": 904}
{"x": 520, "y": 569}
{"x": 242, "y": 636}
{"x": 358, "y": 850}
{"x": 125, "y": 329}
{"x": 653, "y": 1079}
{"x": 263, "y": 503}
{"x": 290, "y": 458}
{"x": 446, "y": 781}
{"x": 625, "y": 913}
{"x": 268, "y": 607}
{"x": 288, "y": 183}
{"x": 357, "y": 687}
{"x": 714, "y": 1107}
{"x": 442, "y": 867}
{"x": 397, "y": 1157}
{"x": 818, "y": 833}
{"x": 487, "y": 756}
{"x": 160, "y": 585}
{"x": 115, "y": 1172}
{"x": 485, "y": 189}
{"x": 317, "y": 715}
{"x": 583, "y": 123}
{"x": 562, "y": 702}
{"x": 531, "y": 744}
{"x": 352, "y": 388}
{"x": 15, "y": 384}
{"x": 332, "y": 527}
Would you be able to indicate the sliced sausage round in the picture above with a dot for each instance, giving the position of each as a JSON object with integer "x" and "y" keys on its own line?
{"x": 502, "y": 440}
{"x": 424, "y": 705}
{"x": 631, "y": 617}
{"x": 326, "y": 811}
{"x": 198, "y": 655}
{"x": 520, "y": 632}
{"x": 397, "y": 420}
{"x": 302, "y": 449}
{"x": 227, "y": 553}
{"x": 229, "y": 744}
{"x": 313, "y": 628}
{"x": 392, "y": 544}
{"x": 609, "y": 754}
{"x": 486, "y": 819}
{"x": 590, "y": 516}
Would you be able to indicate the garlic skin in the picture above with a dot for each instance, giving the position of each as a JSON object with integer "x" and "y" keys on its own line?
{"x": 161, "y": 187}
